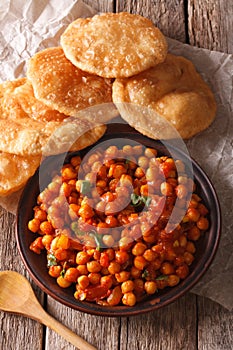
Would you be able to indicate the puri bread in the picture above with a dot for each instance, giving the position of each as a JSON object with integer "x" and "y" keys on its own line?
{"x": 29, "y": 127}
{"x": 15, "y": 171}
{"x": 63, "y": 87}
{"x": 171, "y": 92}
{"x": 114, "y": 45}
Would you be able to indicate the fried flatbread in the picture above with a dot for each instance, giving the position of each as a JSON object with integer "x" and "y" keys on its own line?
{"x": 15, "y": 170}
{"x": 22, "y": 101}
{"x": 171, "y": 92}
{"x": 29, "y": 127}
{"x": 64, "y": 87}
{"x": 114, "y": 45}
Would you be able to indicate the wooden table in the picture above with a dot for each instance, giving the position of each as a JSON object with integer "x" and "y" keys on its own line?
{"x": 190, "y": 323}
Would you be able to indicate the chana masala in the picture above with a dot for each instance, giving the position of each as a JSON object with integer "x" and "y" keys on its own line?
{"x": 108, "y": 226}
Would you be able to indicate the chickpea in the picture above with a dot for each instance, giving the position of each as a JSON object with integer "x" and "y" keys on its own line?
{"x": 121, "y": 256}
{"x": 83, "y": 281}
{"x": 139, "y": 173}
{"x": 61, "y": 254}
{"x": 150, "y": 255}
{"x": 150, "y": 287}
{"x": 112, "y": 151}
{"x": 182, "y": 271}
{"x": 40, "y": 214}
{"x": 203, "y": 223}
{"x": 86, "y": 211}
{"x": 127, "y": 286}
{"x": 34, "y": 225}
{"x": 108, "y": 240}
{"x": 139, "y": 249}
{"x": 144, "y": 190}
{"x": 181, "y": 191}
{"x": 122, "y": 276}
{"x": 143, "y": 162}
{"x": 202, "y": 209}
{"x": 125, "y": 243}
{"x": 193, "y": 214}
{"x": 173, "y": 280}
{"x": 93, "y": 266}
{"x": 114, "y": 267}
{"x": 135, "y": 272}
{"x": 71, "y": 274}
{"x": 63, "y": 283}
{"x": 138, "y": 285}
{"x": 94, "y": 277}
{"x": 151, "y": 174}
{"x": 190, "y": 247}
{"x": 110, "y": 253}
{"x": 166, "y": 189}
{"x": 111, "y": 221}
{"x": 150, "y": 152}
{"x": 82, "y": 269}
{"x": 116, "y": 170}
{"x": 188, "y": 258}
{"x": 182, "y": 241}
{"x": 82, "y": 258}
{"x": 68, "y": 172}
{"x": 167, "y": 268}
{"x": 46, "y": 241}
{"x": 53, "y": 245}
{"x": 54, "y": 271}
{"x": 129, "y": 299}
{"x": 194, "y": 233}
{"x": 140, "y": 262}
{"x": 127, "y": 149}
{"x": 106, "y": 281}
{"x": 63, "y": 242}
{"x": 75, "y": 161}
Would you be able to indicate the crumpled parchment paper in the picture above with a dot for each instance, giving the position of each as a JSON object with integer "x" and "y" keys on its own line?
{"x": 28, "y": 26}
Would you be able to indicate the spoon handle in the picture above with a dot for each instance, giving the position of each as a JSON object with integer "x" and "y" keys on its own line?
{"x": 65, "y": 332}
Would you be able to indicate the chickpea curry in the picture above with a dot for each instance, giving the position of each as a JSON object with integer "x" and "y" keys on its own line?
{"x": 119, "y": 224}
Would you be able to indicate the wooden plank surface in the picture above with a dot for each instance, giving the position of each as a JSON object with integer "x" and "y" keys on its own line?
{"x": 210, "y": 24}
{"x": 26, "y": 333}
{"x": 191, "y": 323}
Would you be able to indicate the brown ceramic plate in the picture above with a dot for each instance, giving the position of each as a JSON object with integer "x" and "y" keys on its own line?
{"x": 36, "y": 264}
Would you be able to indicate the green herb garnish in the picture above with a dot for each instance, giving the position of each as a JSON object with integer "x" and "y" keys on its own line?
{"x": 161, "y": 278}
{"x": 51, "y": 260}
{"x": 62, "y": 273}
{"x": 145, "y": 274}
{"x": 75, "y": 228}
{"x": 85, "y": 187}
{"x": 138, "y": 201}
{"x": 98, "y": 240}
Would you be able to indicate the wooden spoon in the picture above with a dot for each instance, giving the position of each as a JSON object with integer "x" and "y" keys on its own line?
{"x": 17, "y": 296}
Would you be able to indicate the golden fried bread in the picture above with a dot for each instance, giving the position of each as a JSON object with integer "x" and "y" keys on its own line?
{"x": 15, "y": 171}
{"x": 114, "y": 45}
{"x": 73, "y": 134}
{"x": 64, "y": 87}
{"x": 172, "y": 91}
{"x": 27, "y": 125}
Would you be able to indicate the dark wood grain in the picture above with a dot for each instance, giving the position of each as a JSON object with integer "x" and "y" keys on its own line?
{"x": 192, "y": 323}
{"x": 210, "y": 24}
{"x": 101, "y": 5}
{"x": 215, "y": 326}
{"x": 24, "y": 333}
{"x": 172, "y": 327}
